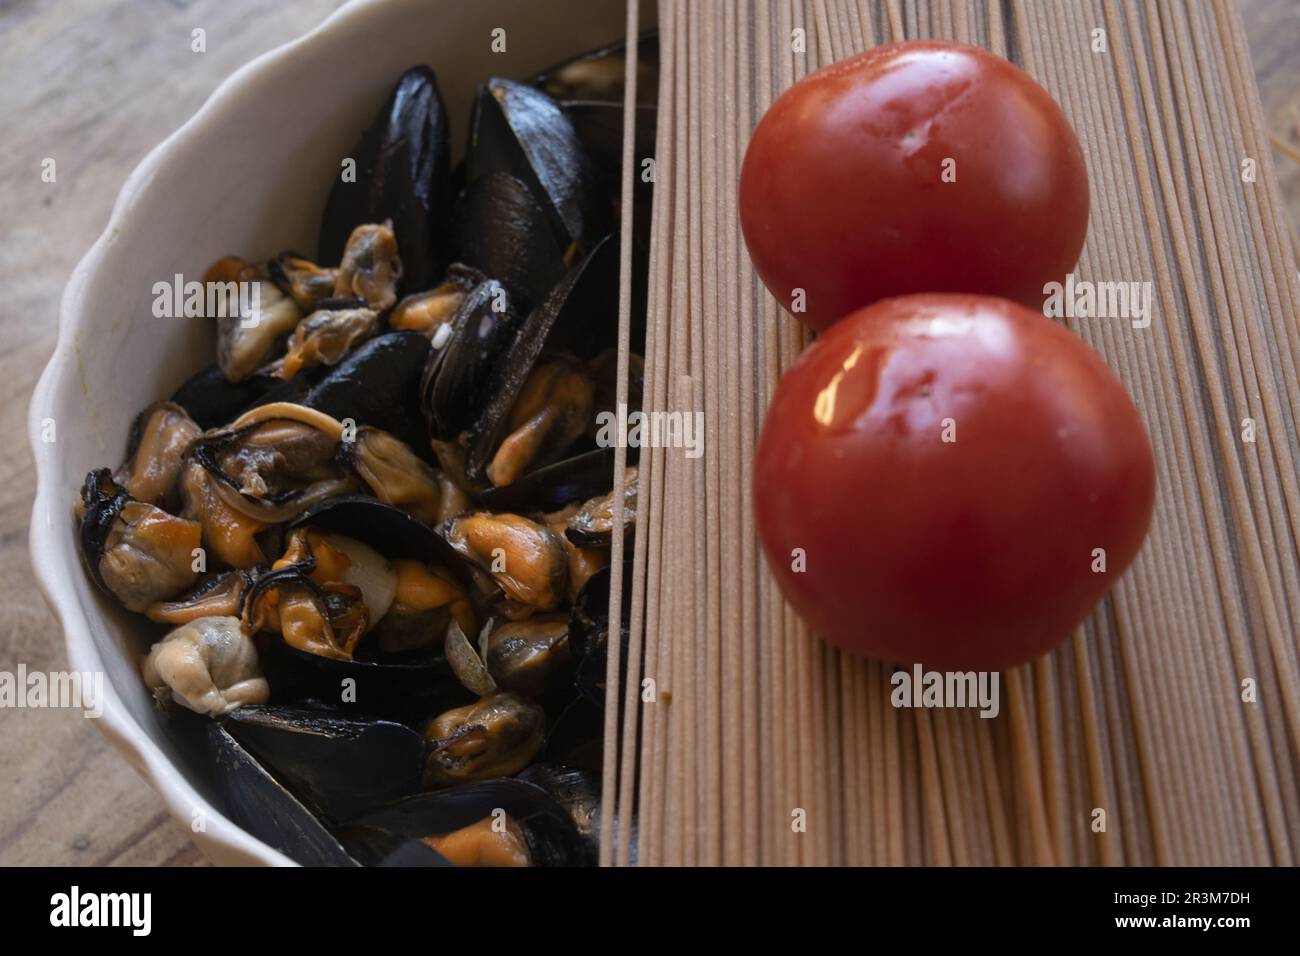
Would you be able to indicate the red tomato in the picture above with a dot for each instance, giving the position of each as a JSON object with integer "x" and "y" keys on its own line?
{"x": 970, "y": 553}
{"x": 842, "y": 192}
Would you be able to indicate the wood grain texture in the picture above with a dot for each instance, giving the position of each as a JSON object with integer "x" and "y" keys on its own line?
{"x": 95, "y": 84}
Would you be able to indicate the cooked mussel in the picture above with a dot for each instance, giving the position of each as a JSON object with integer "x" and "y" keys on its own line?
{"x": 550, "y": 488}
{"x": 302, "y": 280}
{"x": 325, "y": 337}
{"x": 209, "y": 666}
{"x": 160, "y": 436}
{"x": 529, "y": 657}
{"x": 325, "y": 619}
{"x": 135, "y": 551}
{"x": 394, "y": 473}
{"x": 431, "y": 311}
{"x": 552, "y": 410}
{"x": 275, "y": 461}
{"x": 402, "y": 162}
{"x": 484, "y": 824}
{"x": 246, "y": 342}
{"x": 592, "y": 524}
{"x": 371, "y": 268}
{"x": 453, "y": 385}
{"x": 527, "y": 560}
{"x": 229, "y": 535}
{"x": 571, "y": 326}
{"x": 218, "y": 594}
{"x": 497, "y": 736}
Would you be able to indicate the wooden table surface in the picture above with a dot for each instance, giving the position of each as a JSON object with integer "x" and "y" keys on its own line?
{"x": 95, "y": 84}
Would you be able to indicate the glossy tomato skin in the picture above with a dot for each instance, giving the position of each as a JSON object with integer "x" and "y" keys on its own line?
{"x": 975, "y": 553}
{"x": 842, "y": 192}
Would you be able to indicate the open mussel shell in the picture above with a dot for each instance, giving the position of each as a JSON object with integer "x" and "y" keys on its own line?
{"x": 259, "y": 803}
{"x": 454, "y": 379}
{"x": 404, "y": 686}
{"x": 499, "y": 227}
{"x": 576, "y": 318}
{"x": 550, "y": 488}
{"x": 600, "y": 74}
{"x": 342, "y": 765}
{"x": 552, "y": 837}
{"x": 519, "y": 130}
{"x": 402, "y": 175}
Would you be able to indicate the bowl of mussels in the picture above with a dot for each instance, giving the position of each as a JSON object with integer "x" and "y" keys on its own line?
{"x": 340, "y": 535}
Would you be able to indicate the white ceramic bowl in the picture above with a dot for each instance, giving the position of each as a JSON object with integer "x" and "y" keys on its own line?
{"x": 248, "y": 175}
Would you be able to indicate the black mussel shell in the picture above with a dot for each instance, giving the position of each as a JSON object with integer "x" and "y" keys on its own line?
{"x": 553, "y": 838}
{"x": 589, "y": 633}
{"x": 599, "y": 75}
{"x": 600, "y": 127}
{"x": 456, "y": 375}
{"x": 404, "y": 689}
{"x": 500, "y": 228}
{"x": 402, "y": 175}
{"x": 374, "y": 847}
{"x": 212, "y": 401}
{"x": 577, "y": 791}
{"x": 576, "y": 737}
{"x": 378, "y": 384}
{"x": 579, "y": 317}
{"x": 519, "y": 130}
{"x": 256, "y": 801}
{"x": 552, "y": 487}
{"x": 339, "y": 764}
